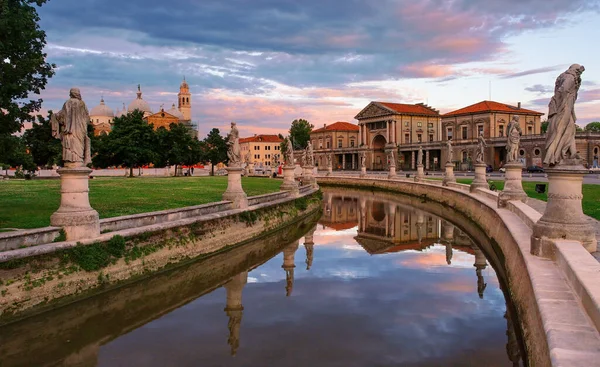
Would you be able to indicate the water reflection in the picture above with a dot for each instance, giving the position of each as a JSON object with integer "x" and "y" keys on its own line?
{"x": 385, "y": 284}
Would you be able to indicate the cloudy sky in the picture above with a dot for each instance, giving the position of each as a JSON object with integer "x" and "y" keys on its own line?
{"x": 264, "y": 63}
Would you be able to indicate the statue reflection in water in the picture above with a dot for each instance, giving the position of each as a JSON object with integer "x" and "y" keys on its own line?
{"x": 288, "y": 265}
{"x": 234, "y": 309}
{"x": 309, "y": 245}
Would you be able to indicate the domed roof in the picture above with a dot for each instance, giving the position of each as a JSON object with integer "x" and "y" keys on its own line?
{"x": 121, "y": 112}
{"x": 139, "y": 103}
{"x": 175, "y": 112}
{"x": 102, "y": 110}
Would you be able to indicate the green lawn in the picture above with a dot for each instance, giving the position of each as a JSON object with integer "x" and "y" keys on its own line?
{"x": 29, "y": 204}
{"x": 591, "y": 194}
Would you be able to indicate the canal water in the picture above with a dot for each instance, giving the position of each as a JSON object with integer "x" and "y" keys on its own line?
{"x": 374, "y": 283}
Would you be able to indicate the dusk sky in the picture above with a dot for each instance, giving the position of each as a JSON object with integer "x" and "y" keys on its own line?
{"x": 263, "y": 63}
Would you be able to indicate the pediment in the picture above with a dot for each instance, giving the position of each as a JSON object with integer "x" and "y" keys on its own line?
{"x": 374, "y": 109}
{"x": 163, "y": 114}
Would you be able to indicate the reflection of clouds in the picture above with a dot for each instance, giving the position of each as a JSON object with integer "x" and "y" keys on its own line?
{"x": 252, "y": 280}
{"x": 435, "y": 256}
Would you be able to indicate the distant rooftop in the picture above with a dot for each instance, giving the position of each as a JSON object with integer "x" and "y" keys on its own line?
{"x": 337, "y": 126}
{"x": 262, "y": 139}
{"x": 491, "y": 106}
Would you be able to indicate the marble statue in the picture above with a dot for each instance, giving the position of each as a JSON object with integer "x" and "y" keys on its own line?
{"x": 560, "y": 137}
{"x": 392, "y": 158}
{"x": 303, "y": 159}
{"x": 363, "y": 157}
{"x": 328, "y": 160}
{"x": 420, "y": 156}
{"x": 450, "y": 150}
{"x": 289, "y": 152}
{"x": 513, "y": 133}
{"x": 70, "y": 126}
{"x": 481, "y": 145}
{"x": 310, "y": 158}
{"x": 247, "y": 158}
{"x": 233, "y": 147}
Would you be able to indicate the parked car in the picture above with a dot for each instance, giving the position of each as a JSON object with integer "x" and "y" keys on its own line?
{"x": 535, "y": 169}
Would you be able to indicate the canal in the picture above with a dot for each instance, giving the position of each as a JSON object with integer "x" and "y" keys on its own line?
{"x": 375, "y": 282}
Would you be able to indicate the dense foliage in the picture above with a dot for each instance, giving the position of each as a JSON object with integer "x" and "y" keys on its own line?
{"x": 300, "y": 133}
{"x": 215, "y": 149}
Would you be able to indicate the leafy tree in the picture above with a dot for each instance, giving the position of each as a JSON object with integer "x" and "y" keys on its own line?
{"x": 593, "y": 126}
{"x": 131, "y": 143}
{"x": 45, "y": 149}
{"x": 544, "y": 126}
{"x": 578, "y": 128}
{"x": 300, "y": 133}
{"x": 19, "y": 155}
{"x": 23, "y": 66}
{"x": 215, "y": 149}
{"x": 177, "y": 147}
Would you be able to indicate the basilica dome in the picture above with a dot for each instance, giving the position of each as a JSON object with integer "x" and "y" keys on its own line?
{"x": 175, "y": 112}
{"x": 139, "y": 104}
{"x": 101, "y": 110}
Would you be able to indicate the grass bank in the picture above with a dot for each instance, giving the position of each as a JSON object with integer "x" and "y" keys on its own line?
{"x": 29, "y": 204}
{"x": 591, "y": 194}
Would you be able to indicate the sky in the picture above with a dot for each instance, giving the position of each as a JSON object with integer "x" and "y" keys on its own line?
{"x": 264, "y": 63}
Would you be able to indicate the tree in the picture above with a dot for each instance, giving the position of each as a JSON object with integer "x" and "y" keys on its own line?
{"x": 19, "y": 155}
{"x": 45, "y": 149}
{"x": 593, "y": 127}
{"x": 544, "y": 126}
{"x": 177, "y": 147}
{"x": 131, "y": 143}
{"x": 23, "y": 66}
{"x": 300, "y": 133}
{"x": 215, "y": 149}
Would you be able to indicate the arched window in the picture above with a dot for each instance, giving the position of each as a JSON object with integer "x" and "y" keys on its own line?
{"x": 187, "y": 100}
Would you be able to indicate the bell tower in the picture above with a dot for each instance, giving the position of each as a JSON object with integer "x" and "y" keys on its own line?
{"x": 185, "y": 100}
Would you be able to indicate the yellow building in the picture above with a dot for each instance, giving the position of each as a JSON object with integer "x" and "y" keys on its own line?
{"x": 261, "y": 150}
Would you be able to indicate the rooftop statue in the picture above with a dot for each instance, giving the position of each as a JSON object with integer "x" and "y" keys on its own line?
{"x": 560, "y": 137}
{"x": 70, "y": 126}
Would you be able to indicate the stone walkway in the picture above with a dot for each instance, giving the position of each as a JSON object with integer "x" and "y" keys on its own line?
{"x": 540, "y": 206}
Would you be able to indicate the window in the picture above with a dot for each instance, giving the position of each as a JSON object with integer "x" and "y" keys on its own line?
{"x": 464, "y": 156}
{"x": 529, "y": 130}
{"x": 501, "y": 130}
{"x": 419, "y": 124}
{"x": 522, "y": 152}
{"x": 479, "y": 130}
{"x": 352, "y": 143}
{"x": 339, "y": 143}
{"x": 407, "y": 138}
{"x": 405, "y": 123}
{"x": 328, "y": 144}
{"x": 430, "y": 137}
{"x": 268, "y": 147}
{"x": 320, "y": 143}
{"x": 430, "y": 125}
{"x": 464, "y": 132}
{"x": 277, "y": 147}
{"x": 419, "y": 138}
{"x": 536, "y": 151}
{"x": 449, "y": 134}
{"x": 256, "y": 147}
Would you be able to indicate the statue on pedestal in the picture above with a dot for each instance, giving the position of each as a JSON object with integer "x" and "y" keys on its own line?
{"x": 392, "y": 158}
{"x": 233, "y": 147}
{"x": 328, "y": 160}
{"x": 481, "y": 145}
{"x": 310, "y": 159}
{"x": 513, "y": 133}
{"x": 70, "y": 126}
{"x": 420, "y": 156}
{"x": 560, "y": 137}
{"x": 289, "y": 152}
{"x": 363, "y": 157}
{"x": 450, "y": 151}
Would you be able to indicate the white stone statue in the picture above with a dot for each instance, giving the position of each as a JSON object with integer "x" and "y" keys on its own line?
{"x": 392, "y": 158}
{"x": 289, "y": 152}
{"x": 481, "y": 145}
{"x": 420, "y": 156}
{"x": 513, "y": 134}
{"x": 450, "y": 150}
{"x": 363, "y": 157}
{"x": 310, "y": 158}
{"x": 233, "y": 148}
{"x": 70, "y": 126}
{"x": 247, "y": 159}
{"x": 560, "y": 137}
{"x": 328, "y": 160}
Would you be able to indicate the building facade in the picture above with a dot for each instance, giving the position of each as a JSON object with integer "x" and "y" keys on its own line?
{"x": 340, "y": 140}
{"x": 101, "y": 117}
{"x": 262, "y": 150}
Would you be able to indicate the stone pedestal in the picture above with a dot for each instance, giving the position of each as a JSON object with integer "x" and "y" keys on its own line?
{"x": 289, "y": 184}
{"x": 235, "y": 193}
{"x": 480, "y": 181}
{"x": 420, "y": 173}
{"x": 329, "y": 170}
{"x": 563, "y": 218}
{"x": 363, "y": 171}
{"x": 309, "y": 178}
{"x": 449, "y": 176}
{"x": 392, "y": 173}
{"x": 289, "y": 264}
{"x": 75, "y": 215}
{"x": 513, "y": 186}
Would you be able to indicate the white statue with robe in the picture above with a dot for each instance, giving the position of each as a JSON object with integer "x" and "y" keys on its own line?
{"x": 363, "y": 158}
{"x": 288, "y": 157}
{"x": 310, "y": 158}
{"x": 233, "y": 147}
{"x": 481, "y": 145}
{"x": 513, "y": 134}
{"x": 450, "y": 151}
{"x": 560, "y": 137}
{"x": 70, "y": 126}
{"x": 328, "y": 160}
{"x": 420, "y": 156}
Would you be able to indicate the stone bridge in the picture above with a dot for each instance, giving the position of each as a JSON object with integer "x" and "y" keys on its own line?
{"x": 556, "y": 297}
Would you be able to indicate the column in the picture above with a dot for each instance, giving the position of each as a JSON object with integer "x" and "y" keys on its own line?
{"x": 427, "y": 160}
{"x": 387, "y": 131}
{"x": 412, "y": 160}
{"x": 234, "y": 309}
{"x": 352, "y": 156}
{"x": 235, "y": 193}
{"x": 513, "y": 186}
{"x": 360, "y": 132}
{"x": 343, "y": 161}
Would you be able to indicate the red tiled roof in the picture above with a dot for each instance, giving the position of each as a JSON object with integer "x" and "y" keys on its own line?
{"x": 490, "y": 106}
{"x": 338, "y": 126}
{"x": 414, "y": 109}
{"x": 342, "y": 226}
{"x": 262, "y": 139}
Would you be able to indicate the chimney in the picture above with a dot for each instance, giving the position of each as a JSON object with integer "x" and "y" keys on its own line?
{"x": 324, "y": 125}
{"x": 519, "y": 105}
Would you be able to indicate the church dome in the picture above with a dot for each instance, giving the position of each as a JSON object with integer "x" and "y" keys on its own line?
{"x": 175, "y": 112}
{"x": 121, "y": 112}
{"x": 139, "y": 104}
{"x": 102, "y": 110}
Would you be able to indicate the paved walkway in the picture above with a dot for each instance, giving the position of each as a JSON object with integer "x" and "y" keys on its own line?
{"x": 540, "y": 206}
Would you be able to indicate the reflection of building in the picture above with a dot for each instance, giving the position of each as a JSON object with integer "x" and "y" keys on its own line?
{"x": 288, "y": 265}
{"x": 339, "y": 212}
{"x": 234, "y": 309}
{"x": 263, "y": 149}
{"x": 340, "y": 140}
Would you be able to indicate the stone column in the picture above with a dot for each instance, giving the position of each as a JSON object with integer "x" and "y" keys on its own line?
{"x": 420, "y": 223}
{"x": 352, "y": 161}
{"x": 387, "y": 131}
{"x": 309, "y": 245}
{"x": 288, "y": 265}
{"x": 360, "y": 134}
{"x": 449, "y": 176}
{"x": 480, "y": 180}
{"x": 427, "y": 160}
{"x": 480, "y": 264}
{"x": 235, "y": 193}
{"x": 289, "y": 183}
{"x": 234, "y": 308}
{"x": 412, "y": 160}
{"x": 563, "y": 217}
{"x": 330, "y": 167}
{"x": 75, "y": 215}
{"x": 343, "y": 162}
{"x": 513, "y": 186}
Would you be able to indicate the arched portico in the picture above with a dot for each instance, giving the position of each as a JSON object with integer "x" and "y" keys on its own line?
{"x": 379, "y": 160}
